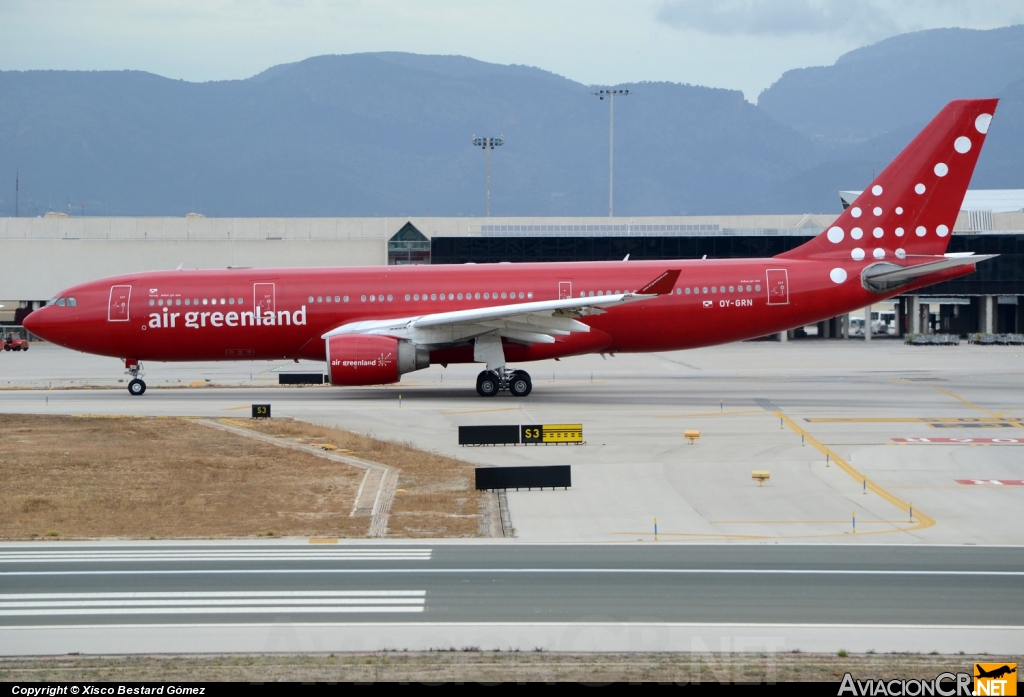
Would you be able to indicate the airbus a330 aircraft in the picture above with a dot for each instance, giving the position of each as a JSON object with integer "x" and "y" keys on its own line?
{"x": 374, "y": 324}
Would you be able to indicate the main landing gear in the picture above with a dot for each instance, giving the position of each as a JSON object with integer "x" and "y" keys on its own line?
{"x": 136, "y": 386}
{"x": 490, "y": 382}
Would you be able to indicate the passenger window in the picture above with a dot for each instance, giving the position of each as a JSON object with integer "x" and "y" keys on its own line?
{"x": 487, "y": 296}
{"x": 433, "y": 296}
{"x": 687, "y": 291}
{"x": 373, "y": 298}
{"x": 319, "y": 298}
{"x": 311, "y": 298}
{"x": 476, "y": 296}
{"x": 705, "y": 290}
{"x": 590, "y": 294}
{"x": 177, "y": 301}
{"x": 407, "y": 297}
{"x": 416, "y": 296}
{"x": 187, "y": 301}
{"x": 345, "y": 298}
{"x": 152, "y": 302}
{"x": 600, "y": 292}
{"x": 328, "y": 298}
{"x": 239, "y": 301}
{"x": 390, "y": 298}
{"x": 721, "y": 289}
{"x": 529, "y": 295}
{"x": 362, "y": 298}
{"x": 504, "y": 296}
{"x": 748, "y": 289}
{"x": 231, "y": 301}
{"x": 195, "y": 301}
{"x": 757, "y": 286}
{"x": 460, "y": 296}
{"x": 731, "y": 289}
{"x": 337, "y": 299}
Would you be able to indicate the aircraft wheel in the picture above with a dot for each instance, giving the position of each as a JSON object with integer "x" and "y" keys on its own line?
{"x": 17, "y": 348}
{"x": 24, "y": 348}
{"x": 136, "y": 387}
{"x": 486, "y": 384}
{"x": 521, "y": 384}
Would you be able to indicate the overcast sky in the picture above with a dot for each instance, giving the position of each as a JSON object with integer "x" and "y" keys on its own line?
{"x": 738, "y": 44}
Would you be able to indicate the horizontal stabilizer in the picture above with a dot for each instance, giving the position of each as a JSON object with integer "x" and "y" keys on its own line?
{"x": 888, "y": 273}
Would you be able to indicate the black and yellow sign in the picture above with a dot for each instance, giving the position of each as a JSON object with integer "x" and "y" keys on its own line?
{"x": 552, "y": 433}
{"x": 261, "y": 411}
{"x": 995, "y": 679}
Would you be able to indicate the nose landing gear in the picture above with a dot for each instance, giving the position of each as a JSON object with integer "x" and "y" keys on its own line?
{"x": 136, "y": 386}
{"x": 490, "y": 382}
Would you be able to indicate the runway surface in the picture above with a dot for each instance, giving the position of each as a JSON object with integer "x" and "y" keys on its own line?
{"x": 149, "y": 597}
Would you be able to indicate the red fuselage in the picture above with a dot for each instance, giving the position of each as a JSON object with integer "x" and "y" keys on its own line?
{"x": 212, "y": 314}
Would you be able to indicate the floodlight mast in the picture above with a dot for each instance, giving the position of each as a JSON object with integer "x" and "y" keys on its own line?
{"x": 488, "y": 144}
{"x": 601, "y": 94}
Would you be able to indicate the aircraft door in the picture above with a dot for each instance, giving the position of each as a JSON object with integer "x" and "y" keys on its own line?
{"x": 117, "y": 310}
{"x": 263, "y": 297}
{"x": 778, "y": 287}
{"x": 564, "y": 290}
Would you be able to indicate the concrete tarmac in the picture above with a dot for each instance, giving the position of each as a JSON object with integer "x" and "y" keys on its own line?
{"x": 828, "y": 418}
{"x": 270, "y": 596}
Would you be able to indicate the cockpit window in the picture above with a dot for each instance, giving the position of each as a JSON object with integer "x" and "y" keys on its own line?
{"x": 72, "y": 302}
{"x": 51, "y": 301}
{"x": 60, "y": 302}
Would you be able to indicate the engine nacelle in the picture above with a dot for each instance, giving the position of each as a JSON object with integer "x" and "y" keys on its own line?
{"x": 367, "y": 359}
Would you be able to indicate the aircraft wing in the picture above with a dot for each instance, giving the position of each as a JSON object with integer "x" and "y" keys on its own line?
{"x": 530, "y": 323}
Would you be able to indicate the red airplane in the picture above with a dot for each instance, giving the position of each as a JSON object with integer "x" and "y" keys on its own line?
{"x": 374, "y": 324}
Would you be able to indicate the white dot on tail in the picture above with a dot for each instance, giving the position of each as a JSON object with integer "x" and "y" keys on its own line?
{"x": 876, "y": 190}
{"x": 962, "y": 144}
{"x": 942, "y": 231}
{"x": 879, "y": 253}
{"x": 835, "y": 235}
{"x": 855, "y": 212}
{"x": 877, "y": 211}
{"x": 899, "y": 210}
{"x": 981, "y": 123}
{"x": 919, "y": 188}
{"x": 837, "y": 275}
{"x": 941, "y": 169}
{"x": 857, "y": 253}
{"x": 920, "y": 231}
{"x": 878, "y": 232}
{"x": 901, "y": 253}
{"x": 856, "y": 233}
{"x": 899, "y": 232}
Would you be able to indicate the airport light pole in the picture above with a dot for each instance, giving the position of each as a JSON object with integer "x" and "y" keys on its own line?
{"x": 610, "y": 94}
{"x": 488, "y": 144}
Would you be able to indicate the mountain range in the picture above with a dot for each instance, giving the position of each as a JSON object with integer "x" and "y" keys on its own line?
{"x": 389, "y": 134}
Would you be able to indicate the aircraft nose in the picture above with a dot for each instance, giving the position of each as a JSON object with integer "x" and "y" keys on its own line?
{"x": 35, "y": 323}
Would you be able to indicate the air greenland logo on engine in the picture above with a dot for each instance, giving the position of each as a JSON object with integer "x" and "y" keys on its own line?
{"x": 382, "y": 361}
{"x": 196, "y": 320}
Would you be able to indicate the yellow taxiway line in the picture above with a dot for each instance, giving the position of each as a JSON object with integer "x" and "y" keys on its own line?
{"x": 923, "y": 521}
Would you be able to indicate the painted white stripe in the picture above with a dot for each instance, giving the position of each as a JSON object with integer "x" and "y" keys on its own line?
{"x": 254, "y": 610}
{"x": 201, "y": 603}
{"x": 213, "y": 594}
{"x": 37, "y": 557}
{"x": 695, "y": 572}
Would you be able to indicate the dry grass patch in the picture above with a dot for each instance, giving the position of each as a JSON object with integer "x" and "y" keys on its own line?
{"x": 439, "y": 497}
{"x": 66, "y": 477}
{"x": 489, "y": 666}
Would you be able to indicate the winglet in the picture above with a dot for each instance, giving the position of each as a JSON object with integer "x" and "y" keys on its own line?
{"x": 662, "y": 285}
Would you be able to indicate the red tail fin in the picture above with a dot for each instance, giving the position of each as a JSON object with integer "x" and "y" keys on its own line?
{"x": 911, "y": 207}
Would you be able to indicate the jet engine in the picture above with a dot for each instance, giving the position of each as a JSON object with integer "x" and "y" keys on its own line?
{"x": 368, "y": 359}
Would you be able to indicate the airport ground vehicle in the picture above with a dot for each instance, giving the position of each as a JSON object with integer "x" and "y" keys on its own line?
{"x": 13, "y": 342}
{"x": 374, "y": 324}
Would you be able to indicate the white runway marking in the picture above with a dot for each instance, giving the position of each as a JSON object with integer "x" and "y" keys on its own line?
{"x": 214, "y": 602}
{"x": 36, "y": 556}
{"x": 737, "y": 572}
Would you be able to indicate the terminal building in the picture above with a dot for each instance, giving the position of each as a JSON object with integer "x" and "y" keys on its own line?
{"x": 43, "y": 255}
